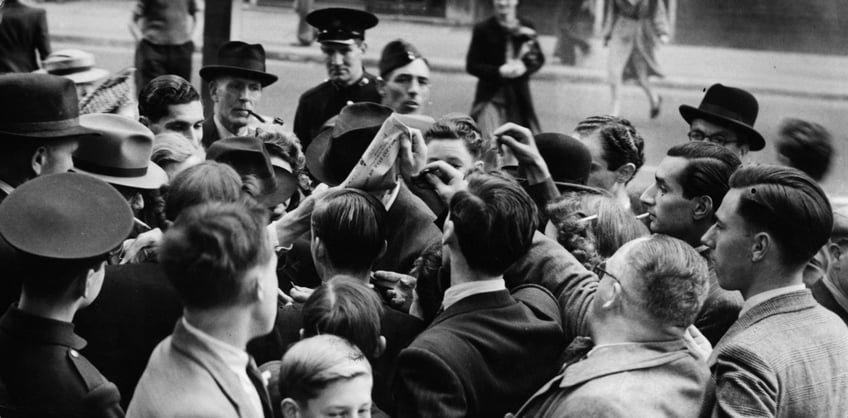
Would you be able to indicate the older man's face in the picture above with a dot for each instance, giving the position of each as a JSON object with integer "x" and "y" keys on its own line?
{"x": 233, "y": 97}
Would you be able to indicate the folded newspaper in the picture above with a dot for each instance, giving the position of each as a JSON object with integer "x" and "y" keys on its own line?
{"x": 377, "y": 171}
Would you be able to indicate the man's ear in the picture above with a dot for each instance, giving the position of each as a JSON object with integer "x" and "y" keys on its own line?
{"x": 364, "y": 46}
{"x": 213, "y": 90}
{"x": 448, "y": 232}
{"x": 381, "y": 347}
{"x": 144, "y": 121}
{"x": 703, "y": 208}
{"x": 87, "y": 285}
{"x": 300, "y": 333}
{"x": 289, "y": 408}
{"x": 614, "y": 296}
{"x": 625, "y": 173}
{"x": 761, "y": 246}
{"x": 381, "y": 86}
{"x": 835, "y": 252}
{"x": 39, "y": 160}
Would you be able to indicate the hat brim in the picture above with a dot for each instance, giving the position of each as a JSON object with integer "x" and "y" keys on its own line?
{"x": 316, "y": 157}
{"x": 71, "y": 132}
{"x": 756, "y": 141}
{"x": 154, "y": 179}
{"x": 211, "y": 71}
{"x": 286, "y": 185}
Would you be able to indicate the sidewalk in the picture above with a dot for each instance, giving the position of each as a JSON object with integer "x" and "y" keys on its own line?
{"x": 104, "y": 22}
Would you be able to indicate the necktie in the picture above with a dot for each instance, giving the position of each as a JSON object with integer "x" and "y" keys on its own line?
{"x": 255, "y": 377}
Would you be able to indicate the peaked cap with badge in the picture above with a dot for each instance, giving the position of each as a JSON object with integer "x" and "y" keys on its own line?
{"x": 341, "y": 25}
{"x": 240, "y": 59}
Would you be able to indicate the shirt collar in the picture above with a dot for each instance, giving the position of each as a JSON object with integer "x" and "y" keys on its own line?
{"x": 27, "y": 326}
{"x": 224, "y": 132}
{"x": 461, "y": 291}
{"x": 768, "y": 294}
{"x": 837, "y": 294}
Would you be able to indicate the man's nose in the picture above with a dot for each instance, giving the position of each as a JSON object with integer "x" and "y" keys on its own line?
{"x": 647, "y": 197}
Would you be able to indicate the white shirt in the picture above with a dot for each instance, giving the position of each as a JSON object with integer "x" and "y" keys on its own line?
{"x": 236, "y": 360}
{"x": 768, "y": 294}
{"x": 461, "y": 291}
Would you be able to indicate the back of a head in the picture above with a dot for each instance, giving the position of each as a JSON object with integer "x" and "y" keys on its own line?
{"x": 173, "y": 148}
{"x": 346, "y": 307}
{"x": 312, "y": 364}
{"x": 787, "y": 204}
{"x": 621, "y": 142}
{"x": 460, "y": 127}
{"x": 708, "y": 170}
{"x": 210, "y": 248}
{"x": 672, "y": 279}
{"x": 163, "y": 91}
{"x": 208, "y": 181}
{"x": 284, "y": 145}
{"x": 494, "y": 221}
{"x": 806, "y": 146}
{"x": 352, "y": 226}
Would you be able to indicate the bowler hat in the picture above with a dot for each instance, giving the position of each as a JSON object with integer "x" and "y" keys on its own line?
{"x": 396, "y": 54}
{"x": 121, "y": 154}
{"x": 39, "y": 106}
{"x": 341, "y": 25}
{"x": 341, "y": 142}
{"x": 567, "y": 158}
{"x": 236, "y": 58}
{"x": 728, "y": 106}
{"x": 248, "y": 155}
{"x": 65, "y": 216}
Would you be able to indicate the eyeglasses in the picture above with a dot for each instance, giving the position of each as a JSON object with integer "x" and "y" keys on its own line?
{"x": 600, "y": 271}
{"x": 718, "y": 139}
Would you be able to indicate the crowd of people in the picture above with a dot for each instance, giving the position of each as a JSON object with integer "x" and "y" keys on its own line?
{"x": 382, "y": 261}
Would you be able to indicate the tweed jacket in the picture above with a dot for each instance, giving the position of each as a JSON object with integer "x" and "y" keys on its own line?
{"x": 611, "y": 382}
{"x": 785, "y": 357}
{"x": 482, "y": 356}
{"x": 186, "y": 377}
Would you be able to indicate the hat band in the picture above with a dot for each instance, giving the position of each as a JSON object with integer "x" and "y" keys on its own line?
{"x": 109, "y": 171}
{"x": 71, "y": 70}
{"x": 50, "y": 125}
{"x": 721, "y": 111}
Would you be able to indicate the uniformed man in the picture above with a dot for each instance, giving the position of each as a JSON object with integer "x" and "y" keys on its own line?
{"x": 63, "y": 227}
{"x": 235, "y": 85}
{"x": 341, "y": 33}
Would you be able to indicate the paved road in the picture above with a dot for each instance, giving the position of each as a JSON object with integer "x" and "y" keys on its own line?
{"x": 560, "y": 106}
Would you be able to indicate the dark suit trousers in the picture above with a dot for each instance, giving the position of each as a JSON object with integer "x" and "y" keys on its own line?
{"x": 153, "y": 60}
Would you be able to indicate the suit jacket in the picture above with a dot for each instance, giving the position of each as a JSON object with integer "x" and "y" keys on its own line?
{"x": 136, "y": 309}
{"x": 719, "y": 312}
{"x": 485, "y": 56}
{"x": 785, "y": 357}
{"x": 481, "y": 357}
{"x": 186, "y": 377}
{"x": 825, "y": 298}
{"x": 42, "y": 373}
{"x": 23, "y": 31}
{"x": 411, "y": 231}
{"x": 635, "y": 380}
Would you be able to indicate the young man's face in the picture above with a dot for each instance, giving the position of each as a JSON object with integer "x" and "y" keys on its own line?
{"x": 669, "y": 212}
{"x": 730, "y": 241}
{"x": 407, "y": 89}
{"x": 233, "y": 97}
{"x": 184, "y": 119}
{"x": 343, "y": 61}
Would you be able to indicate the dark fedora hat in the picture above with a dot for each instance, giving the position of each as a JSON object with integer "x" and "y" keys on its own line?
{"x": 568, "y": 159}
{"x": 341, "y": 142}
{"x": 248, "y": 156}
{"x": 65, "y": 216}
{"x": 728, "y": 106}
{"x": 237, "y": 58}
{"x": 39, "y": 106}
{"x": 121, "y": 154}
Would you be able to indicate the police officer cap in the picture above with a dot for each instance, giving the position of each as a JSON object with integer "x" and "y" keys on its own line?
{"x": 66, "y": 216}
{"x": 396, "y": 54}
{"x": 341, "y": 25}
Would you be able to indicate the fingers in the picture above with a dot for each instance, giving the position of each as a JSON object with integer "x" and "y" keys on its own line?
{"x": 299, "y": 293}
{"x": 519, "y": 132}
{"x": 284, "y": 298}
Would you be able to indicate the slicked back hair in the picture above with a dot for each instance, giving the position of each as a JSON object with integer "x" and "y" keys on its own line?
{"x": 620, "y": 141}
{"x": 314, "y": 363}
{"x": 211, "y": 247}
{"x": 708, "y": 170}
{"x": 494, "y": 221}
{"x": 787, "y": 204}
{"x": 162, "y": 92}
{"x": 352, "y": 226}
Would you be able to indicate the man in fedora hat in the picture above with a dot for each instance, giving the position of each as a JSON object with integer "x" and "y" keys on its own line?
{"x": 330, "y": 158}
{"x": 23, "y": 36}
{"x": 341, "y": 33}
{"x": 120, "y": 156}
{"x": 725, "y": 117}
{"x": 235, "y": 85}
{"x": 63, "y": 228}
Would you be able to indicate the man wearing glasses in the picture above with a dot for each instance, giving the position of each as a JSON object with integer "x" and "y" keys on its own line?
{"x": 725, "y": 117}
{"x": 638, "y": 362}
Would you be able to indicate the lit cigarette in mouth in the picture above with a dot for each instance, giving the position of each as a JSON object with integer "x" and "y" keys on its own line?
{"x": 643, "y": 216}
